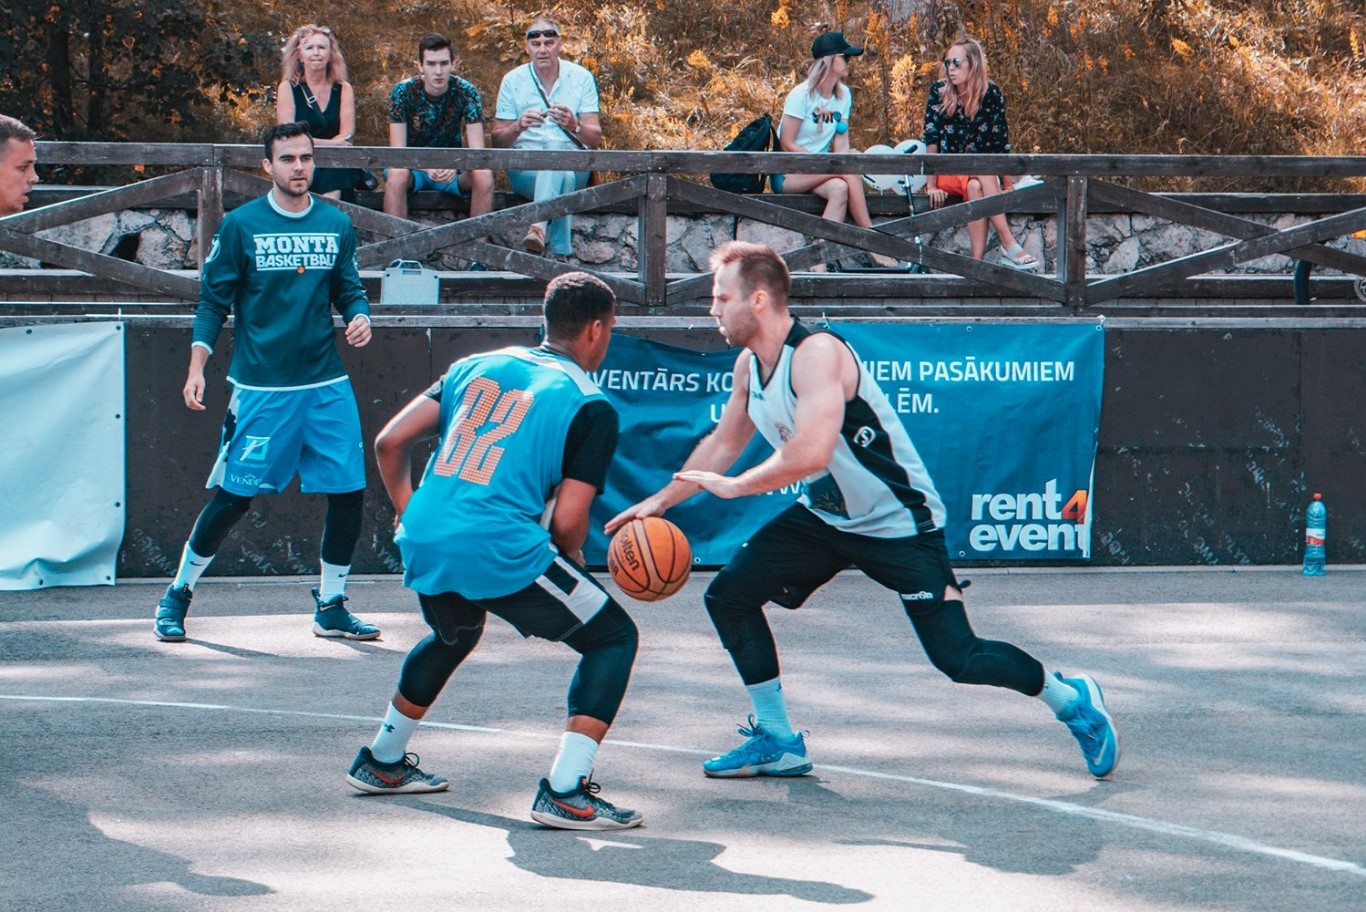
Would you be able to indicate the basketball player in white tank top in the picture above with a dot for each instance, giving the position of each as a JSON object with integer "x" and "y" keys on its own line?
{"x": 866, "y": 500}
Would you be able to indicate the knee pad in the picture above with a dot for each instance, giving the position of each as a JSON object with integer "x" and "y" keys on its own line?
{"x": 945, "y": 634}
{"x": 607, "y": 644}
{"x": 428, "y": 667}
{"x": 732, "y": 603}
{"x": 610, "y": 628}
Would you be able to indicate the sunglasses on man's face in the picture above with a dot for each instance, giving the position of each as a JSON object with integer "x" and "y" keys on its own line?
{"x": 954, "y": 63}
{"x": 541, "y": 33}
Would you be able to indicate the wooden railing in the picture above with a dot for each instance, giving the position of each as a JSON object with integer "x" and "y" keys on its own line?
{"x": 1072, "y": 185}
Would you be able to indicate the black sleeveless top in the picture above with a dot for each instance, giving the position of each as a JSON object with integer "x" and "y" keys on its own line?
{"x": 323, "y": 124}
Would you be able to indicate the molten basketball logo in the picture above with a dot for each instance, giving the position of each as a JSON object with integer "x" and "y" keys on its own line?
{"x": 628, "y": 556}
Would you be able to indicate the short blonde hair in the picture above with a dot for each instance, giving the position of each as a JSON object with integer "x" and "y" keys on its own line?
{"x": 760, "y": 267}
{"x": 292, "y": 65}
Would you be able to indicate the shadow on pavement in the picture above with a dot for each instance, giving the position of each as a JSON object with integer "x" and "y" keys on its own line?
{"x": 633, "y": 857}
{"x": 85, "y": 869}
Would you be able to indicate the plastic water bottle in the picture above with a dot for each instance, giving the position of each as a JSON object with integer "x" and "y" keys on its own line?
{"x": 1315, "y": 536}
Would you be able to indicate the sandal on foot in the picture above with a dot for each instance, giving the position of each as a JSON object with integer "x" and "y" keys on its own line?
{"x": 1017, "y": 257}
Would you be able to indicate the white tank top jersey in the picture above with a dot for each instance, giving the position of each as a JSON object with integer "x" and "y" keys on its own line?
{"x": 876, "y": 483}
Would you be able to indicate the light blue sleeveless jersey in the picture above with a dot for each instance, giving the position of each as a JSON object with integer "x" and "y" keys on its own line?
{"x": 474, "y": 525}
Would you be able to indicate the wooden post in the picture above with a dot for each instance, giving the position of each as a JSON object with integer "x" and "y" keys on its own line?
{"x": 210, "y": 194}
{"x": 653, "y": 239}
{"x": 1072, "y": 242}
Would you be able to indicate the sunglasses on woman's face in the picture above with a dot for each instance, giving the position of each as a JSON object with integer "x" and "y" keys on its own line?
{"x": 541, "y": 33}
{"x": 954, "y": 63}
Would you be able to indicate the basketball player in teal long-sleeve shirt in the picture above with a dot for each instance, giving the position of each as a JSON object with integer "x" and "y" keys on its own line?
{"x": 280, "y": 264}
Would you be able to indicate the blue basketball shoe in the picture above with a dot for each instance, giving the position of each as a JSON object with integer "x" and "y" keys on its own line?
{"x": 169, "y": 625}
{"x": 331, "y": 619}
{"x": 762, "y": 755}
{"x": 1091, "y": 725}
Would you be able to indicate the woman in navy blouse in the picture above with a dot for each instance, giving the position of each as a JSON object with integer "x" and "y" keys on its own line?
{"x": 966, "y": 113}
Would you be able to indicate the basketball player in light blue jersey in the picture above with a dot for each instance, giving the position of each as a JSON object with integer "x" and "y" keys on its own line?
{"x": 866, "y": 500}
{"x": 280, "y": 264}
{"x": 516, "y": 429}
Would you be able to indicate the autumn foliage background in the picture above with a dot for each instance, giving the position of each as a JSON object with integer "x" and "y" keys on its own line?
{"x": 1123, "y": 76}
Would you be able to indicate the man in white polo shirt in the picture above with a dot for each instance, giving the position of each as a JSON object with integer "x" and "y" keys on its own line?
{"x": 548, "y": 104}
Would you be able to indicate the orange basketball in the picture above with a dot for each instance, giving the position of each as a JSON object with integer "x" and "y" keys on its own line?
{"x": 649, "y": 558}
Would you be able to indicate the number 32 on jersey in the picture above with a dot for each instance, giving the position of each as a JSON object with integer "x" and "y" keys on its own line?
{"x": 487, "y": 415}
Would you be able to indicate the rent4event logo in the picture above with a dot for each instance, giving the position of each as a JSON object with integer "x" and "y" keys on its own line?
{"x": 1009, "y": 523}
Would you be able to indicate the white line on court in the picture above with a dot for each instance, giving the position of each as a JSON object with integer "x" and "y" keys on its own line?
{"x": 1227, "y": 840}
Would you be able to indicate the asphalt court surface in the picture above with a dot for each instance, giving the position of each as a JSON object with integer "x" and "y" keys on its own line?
{"x": 208, "y": 775}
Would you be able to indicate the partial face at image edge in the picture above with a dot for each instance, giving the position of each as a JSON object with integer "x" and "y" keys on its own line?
{"x": 17, "y": 174}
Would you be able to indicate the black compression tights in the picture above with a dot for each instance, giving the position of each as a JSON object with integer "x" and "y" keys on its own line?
{"x": 341, "y": 529}
{"x": 607, "y": 644}
{"x": 216, "y": 520}
{"x": 943, "y": 630}
{"x": 966, "y": 658}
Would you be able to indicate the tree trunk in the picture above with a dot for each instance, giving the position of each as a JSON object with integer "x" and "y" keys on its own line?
{"x": 97, "y": 67}
{"x": 59, "y": 77}
{"x": 901, "y": 10}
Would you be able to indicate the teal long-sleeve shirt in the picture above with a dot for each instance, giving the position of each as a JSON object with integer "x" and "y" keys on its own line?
{"x": 280, "y": 274}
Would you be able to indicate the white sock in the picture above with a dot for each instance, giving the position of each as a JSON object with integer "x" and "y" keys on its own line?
{"x": 332, "y": 581}
{"x": 573, "y": 762}
{"x": 192, "y": 567}
{"x": 391, "y": 742}
{"x": 1056, "y": 693}
{"x": 770, "y": 707}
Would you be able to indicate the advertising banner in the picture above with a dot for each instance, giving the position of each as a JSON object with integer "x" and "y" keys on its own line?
{"x": 1005, "y": 416}
{"x": 61, "y": 454}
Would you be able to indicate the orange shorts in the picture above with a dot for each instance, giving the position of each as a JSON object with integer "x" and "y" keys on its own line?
{"x": 954, "y": 184}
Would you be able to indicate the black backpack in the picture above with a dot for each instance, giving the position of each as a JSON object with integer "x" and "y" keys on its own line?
{"x": 757, "y": 136}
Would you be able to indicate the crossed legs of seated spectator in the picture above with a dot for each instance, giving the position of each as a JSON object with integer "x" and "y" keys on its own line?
{"x": 978, "y": 187}
{"x": 843, "y": 195}
{"x": 557, "y": 235}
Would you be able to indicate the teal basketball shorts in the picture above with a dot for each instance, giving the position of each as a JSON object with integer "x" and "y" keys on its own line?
{"x": 271, "y": 435}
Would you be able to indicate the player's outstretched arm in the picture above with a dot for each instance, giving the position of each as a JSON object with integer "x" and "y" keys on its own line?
{"x": 824, "y": 375}
{"x": 418, "y": 420}
{"x": 715, "y": 453}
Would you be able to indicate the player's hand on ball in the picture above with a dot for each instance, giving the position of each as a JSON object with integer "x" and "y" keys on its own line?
{"x": 650, "y": 506}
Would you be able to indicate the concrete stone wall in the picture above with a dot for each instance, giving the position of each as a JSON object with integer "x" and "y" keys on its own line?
{"x": 1117, "y": 244}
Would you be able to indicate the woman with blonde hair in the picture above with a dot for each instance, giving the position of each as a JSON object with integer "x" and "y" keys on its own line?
{"x": 313, "y": 89}
{"x": 966, "y": 113}
{"x": 816, "y": 120}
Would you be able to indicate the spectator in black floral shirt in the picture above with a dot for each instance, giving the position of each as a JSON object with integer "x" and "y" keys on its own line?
{"x": 966, "y": 113}
{"x": 432, "y": 110}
